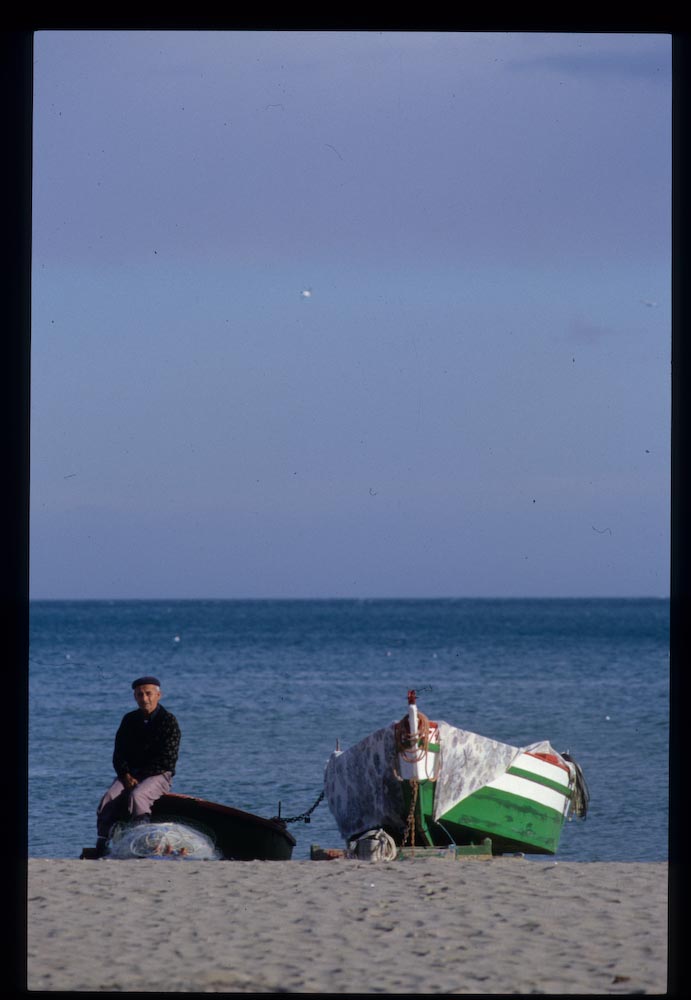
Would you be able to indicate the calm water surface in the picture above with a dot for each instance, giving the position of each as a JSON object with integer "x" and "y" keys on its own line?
{"x": 264, "y": 689}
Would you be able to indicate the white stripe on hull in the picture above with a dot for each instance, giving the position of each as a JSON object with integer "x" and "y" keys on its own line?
{"x": 528, "y": 789}
{"x": 542, "y": 767}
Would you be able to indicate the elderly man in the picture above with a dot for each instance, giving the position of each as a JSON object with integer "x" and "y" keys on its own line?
{"x": 144, "y": 758}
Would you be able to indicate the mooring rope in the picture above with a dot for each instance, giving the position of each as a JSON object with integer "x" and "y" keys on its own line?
{"x": 412, "y": 746}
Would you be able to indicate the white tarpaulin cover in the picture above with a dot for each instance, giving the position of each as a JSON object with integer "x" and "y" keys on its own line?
{"x": 361, "y": 787}
{"x": 363, "y": 791}
{"x": 469, "y": 761}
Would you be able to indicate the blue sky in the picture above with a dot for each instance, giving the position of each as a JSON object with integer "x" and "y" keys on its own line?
{"x": 474, "y": 397}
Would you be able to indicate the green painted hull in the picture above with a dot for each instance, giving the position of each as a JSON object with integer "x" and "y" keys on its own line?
{"x": 512, "y": 822}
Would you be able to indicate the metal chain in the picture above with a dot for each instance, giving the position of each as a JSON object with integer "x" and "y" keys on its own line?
{"x": 303, "y": 816}
{"x": 410, "y": 825}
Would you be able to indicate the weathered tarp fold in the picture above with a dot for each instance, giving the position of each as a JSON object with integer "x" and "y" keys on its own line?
{"x": 361, "y": 787}
{"x": 470, "y": 761}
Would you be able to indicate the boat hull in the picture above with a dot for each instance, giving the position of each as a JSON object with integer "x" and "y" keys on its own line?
{"x": 522, "y": 810}
{"x": 429, "y": 784}
{"x": 237, "y": 835}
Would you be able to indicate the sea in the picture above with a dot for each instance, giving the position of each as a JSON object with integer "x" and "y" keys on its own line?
{"x": 265, "y": 690}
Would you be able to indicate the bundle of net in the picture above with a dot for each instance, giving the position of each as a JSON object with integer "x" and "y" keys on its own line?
{"x": 161, "y": 840}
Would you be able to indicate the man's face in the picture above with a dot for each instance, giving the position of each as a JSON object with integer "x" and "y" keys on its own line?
{"x": 147, "y": 697}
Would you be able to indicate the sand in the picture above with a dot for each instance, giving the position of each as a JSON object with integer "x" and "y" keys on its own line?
{"x": 499, "y": 925}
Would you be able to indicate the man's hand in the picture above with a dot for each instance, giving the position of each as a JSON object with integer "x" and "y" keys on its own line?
{"x": 128, "y": 781}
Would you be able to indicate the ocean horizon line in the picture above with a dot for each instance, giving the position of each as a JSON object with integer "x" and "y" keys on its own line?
{"x": 347, "y": 599}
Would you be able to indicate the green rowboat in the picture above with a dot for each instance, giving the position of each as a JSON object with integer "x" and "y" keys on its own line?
{"x": 428, "y": 784}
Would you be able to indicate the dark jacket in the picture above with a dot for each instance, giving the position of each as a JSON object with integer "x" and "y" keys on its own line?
{"x": 142, "y": 747}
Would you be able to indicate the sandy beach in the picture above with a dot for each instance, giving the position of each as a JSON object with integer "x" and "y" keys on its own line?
{"x": 502, "y": 925}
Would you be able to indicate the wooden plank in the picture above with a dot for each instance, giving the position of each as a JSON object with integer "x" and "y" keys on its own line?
{"x": 451, "y": 853}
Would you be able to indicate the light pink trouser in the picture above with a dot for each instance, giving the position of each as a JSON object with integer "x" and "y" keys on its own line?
{"x": 117, "y": 802}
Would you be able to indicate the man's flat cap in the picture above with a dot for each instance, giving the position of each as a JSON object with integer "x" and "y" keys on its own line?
{"x": 146, "y": 680}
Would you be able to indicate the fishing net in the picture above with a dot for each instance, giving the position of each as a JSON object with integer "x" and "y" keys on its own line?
{"x": 581, "y": 794}
{"x": 161, "y": 840}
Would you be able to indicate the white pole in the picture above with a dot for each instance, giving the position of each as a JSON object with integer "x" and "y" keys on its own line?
{"x": 412, "y": 722}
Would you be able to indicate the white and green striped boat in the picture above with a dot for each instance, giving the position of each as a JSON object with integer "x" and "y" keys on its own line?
{"x": 429, "y": 784}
